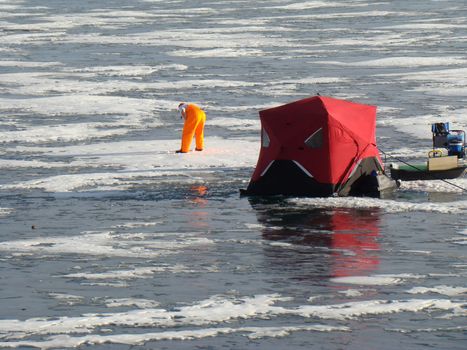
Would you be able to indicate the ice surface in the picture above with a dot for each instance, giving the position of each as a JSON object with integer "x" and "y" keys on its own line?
{"x": 28, "y": 64}
{"x": 420, "y": 126}
{"x": 375, "y": 280}
{"x": 125, "y": 302}
{"x": 391, "y": 206}
{"x": 131, "y": 225}
{"x": 5, "y": 211}
{"x": 439, "y": 186}
{"x": 352, "y": 293}
{"x": 424, "y": 26}
{"x": 214, "y": 310}
{"x": 443, "y": 290}
{"x": 405, "y": 62}
{"x": 154, "y": 159}
{"x": 236, "y": 124}
{"x": 68, "y": 299}
{"x": 224, "y": 52}
{"x": 304, "y": 5}
{"x": 106, "y": 244}
{"x": 376, "y": 307}
{"x": 140, "y": 272}
{"x": 138, "y": 339}
{"x": 76, "y": 85}
{"x": 79, "y": 102}
{"x": 65, "y": 133}
{"x": 88, "y": 96}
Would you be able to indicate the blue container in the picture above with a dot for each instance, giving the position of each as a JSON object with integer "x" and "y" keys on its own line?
{"x": 456, "y": 148}
{"x": 455, "y": 136}
{"x": 440, "y": 128}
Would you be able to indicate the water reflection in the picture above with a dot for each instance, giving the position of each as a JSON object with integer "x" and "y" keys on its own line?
{"x": 199, "y": 217}
{"x": 354, "y": 242}
{"x": 319, "y": 242}
{"x": 198, "y": 195}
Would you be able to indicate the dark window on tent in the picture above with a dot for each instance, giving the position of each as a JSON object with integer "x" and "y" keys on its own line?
{"x": 266, "y": 140}
{"x": 315, "y": 140}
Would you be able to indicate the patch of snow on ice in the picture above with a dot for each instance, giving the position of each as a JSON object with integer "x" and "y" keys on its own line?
{"x": 215, "y": 310}
{"x": 104, "y": 244}
{"x": 140, "y": 272}
{"x": 139, "y": 303}
{"x": 391, "y": 206}
{"x": 444, "y": 290}
{"x": 375, "y": 280}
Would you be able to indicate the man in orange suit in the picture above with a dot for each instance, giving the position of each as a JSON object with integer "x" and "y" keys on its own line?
{"x": 194, "y": 126}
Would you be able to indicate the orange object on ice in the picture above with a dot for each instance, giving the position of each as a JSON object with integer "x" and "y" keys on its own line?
{"x": 194, "y": 126}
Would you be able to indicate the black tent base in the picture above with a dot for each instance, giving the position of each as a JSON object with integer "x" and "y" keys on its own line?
{"x": 378, "y": 186}
{"x": 285, "y": 177}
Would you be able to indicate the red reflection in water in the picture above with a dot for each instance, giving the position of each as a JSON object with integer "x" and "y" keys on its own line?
{"x": 199, "y": 193}
{"x": 354, "y": 243}
{"x": 200, "y": 190}
{"x": 350, "y": 235}
{"x": 199, "y": 219}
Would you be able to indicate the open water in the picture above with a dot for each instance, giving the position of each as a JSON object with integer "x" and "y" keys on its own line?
{"x": 109, "y": 240}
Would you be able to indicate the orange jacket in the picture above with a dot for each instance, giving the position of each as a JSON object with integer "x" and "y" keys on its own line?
{"x": 194, "y": 126}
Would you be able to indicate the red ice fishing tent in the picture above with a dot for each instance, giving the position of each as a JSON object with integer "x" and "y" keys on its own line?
{"x": 319, "y": 146}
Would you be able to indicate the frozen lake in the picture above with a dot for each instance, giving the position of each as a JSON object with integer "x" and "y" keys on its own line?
{"x": 110, "y": 240}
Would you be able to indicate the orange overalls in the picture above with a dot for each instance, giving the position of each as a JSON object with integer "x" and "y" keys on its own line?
{"x": 194, "y": 126}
